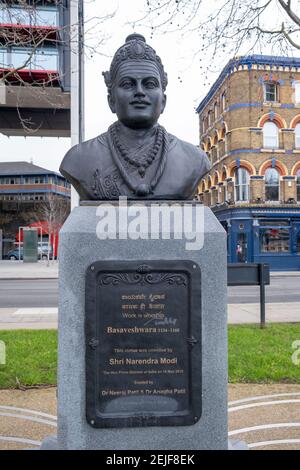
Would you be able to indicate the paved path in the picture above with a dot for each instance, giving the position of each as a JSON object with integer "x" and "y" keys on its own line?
{"x": 266, "y": 417}
{"x": 46, "y": 318}
{"x": 275, "y": 313}
{"x": 28, "y": 318}
{"x": 20, "y": 270}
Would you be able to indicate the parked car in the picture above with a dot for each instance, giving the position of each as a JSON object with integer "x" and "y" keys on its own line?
{"x": 14, "y": 254}
{"x": 42, "y": 253}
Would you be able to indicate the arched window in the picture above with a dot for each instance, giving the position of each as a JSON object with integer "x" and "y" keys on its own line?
{"x": 216, "y": 111}
{"x": 223, "y": 133}
{"x": 272, "y": 184}
{"x": 298, "y": 185}
{"x": 297, "y": 136}
{"x": 242, "y": 184}
{"x": 270, "y": 133}
{"x": 223, "y": 101}
{"x": 215, "y": 139}
{"x": 209, "y": 118}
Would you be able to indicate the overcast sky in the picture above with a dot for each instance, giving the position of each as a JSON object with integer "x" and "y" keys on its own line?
{"x": 186, "y": 88}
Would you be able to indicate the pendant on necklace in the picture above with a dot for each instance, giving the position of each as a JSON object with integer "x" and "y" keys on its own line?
{"x": 142, "y": 190}
{"x": 142, "y": 171}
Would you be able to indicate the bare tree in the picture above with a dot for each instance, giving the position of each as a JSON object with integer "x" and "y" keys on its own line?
{"x": 54, "y": 212}
{"x": 227, "y": 27}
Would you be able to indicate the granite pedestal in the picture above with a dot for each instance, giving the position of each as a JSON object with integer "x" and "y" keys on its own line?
{"x": 79, "y": 248}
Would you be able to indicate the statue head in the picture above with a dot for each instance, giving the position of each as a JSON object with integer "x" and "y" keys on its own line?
{"x": 136, "y": 83}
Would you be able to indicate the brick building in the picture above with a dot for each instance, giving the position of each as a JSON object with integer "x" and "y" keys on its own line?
{"x": 250, "y": 129}
{"x": 24, "y": 189}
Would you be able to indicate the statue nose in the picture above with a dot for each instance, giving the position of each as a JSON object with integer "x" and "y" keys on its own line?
{"x": 139, "y": 91}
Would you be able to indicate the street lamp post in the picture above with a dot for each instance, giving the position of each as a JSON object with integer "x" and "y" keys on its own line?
{"x": 77, "y": 80}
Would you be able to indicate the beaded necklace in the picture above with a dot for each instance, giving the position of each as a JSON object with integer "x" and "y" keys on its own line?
{"x": 119, "y": 152}
{"x": 143, "y": 162}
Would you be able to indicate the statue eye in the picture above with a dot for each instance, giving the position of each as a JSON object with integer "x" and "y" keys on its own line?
{"x": 126, "y": 84}
{"x": 151, "y": 84}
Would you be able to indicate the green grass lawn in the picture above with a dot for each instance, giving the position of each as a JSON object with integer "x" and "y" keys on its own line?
{"x": 31, "y": 358}
{"x": 255, "y": 355}
{"x": 263, "y": 355}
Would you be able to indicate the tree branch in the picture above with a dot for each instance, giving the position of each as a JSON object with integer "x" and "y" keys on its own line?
{"x": 289, "y": 11}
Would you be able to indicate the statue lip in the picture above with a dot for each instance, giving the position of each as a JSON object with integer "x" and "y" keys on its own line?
{"x": 140, "y": 102}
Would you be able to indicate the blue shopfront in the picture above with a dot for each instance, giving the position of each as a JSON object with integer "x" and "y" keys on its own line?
{"x": 263, "y": 235}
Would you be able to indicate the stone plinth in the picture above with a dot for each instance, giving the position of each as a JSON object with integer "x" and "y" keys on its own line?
{"x": 79, "y": 248}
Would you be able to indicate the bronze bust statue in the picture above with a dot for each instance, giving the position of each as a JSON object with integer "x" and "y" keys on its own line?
{"x": 136, "y": 157}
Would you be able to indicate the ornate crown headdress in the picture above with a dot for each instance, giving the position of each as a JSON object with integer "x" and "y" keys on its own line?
{"x": 135, "y": 48}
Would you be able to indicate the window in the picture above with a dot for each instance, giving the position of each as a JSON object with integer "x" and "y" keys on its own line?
{"x": 15, "y": 15}
{"x": 39, "y": 16}
{"x": 3, "y": 58}
{"x": 43, "y": 59}
{"x": 297, "y": 92}
{"x": 19, "y": 57}
{"x": 272, "y": 184}
{"x": 297, "y": 136}
{"x": 10, "y": 180}
{"x": 216, "y": 111}
{"x": 46, "y": 16}
{"x": 298, "y": 185}
{"x": 14, "y": 181}
{"x": 273, "y": 223}
{"x": 274, "y": 240}
{"x": 223, "y": 133}
{"x": 242, "y": 184}
{"x": 270, "y": 92}
{"x": 270, "y": 135}
{"x": 28, "y": 180}
{"x": 223, "y": 101}
{"x": 38, "y": 179}
{"x": 209, "y": 118}
{"x": 206, "y": 123}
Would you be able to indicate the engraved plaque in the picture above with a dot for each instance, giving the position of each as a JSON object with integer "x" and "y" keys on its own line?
{"x": 143, "y": 343}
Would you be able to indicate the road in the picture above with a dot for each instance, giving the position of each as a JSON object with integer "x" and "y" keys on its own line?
{"x": 28, "y": 293}
{"x": 43, "y": 292}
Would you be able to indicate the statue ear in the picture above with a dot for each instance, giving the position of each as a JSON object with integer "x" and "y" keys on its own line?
{"x": 163, "y": 105}
{"x": 111, "y": 103}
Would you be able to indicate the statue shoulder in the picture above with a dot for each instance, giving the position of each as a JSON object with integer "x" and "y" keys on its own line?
{"x": 78, "y": 158}
{"x": 193, "y": 156}
{"x": 81, "y": 161}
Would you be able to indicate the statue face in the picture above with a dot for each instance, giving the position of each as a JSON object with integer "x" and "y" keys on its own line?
{"x": 137, "y": 96}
